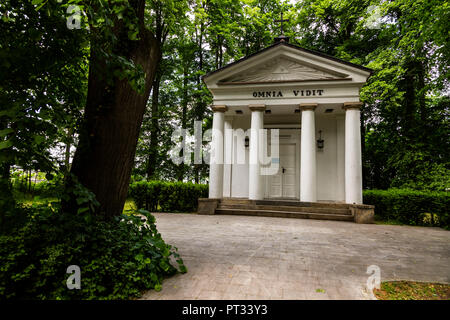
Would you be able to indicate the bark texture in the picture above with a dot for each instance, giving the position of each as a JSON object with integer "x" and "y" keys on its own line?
{"x": 113, "y": 116}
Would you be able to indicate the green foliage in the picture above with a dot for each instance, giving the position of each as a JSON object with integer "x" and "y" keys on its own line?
{"x": 118, "y": 258}
{"x": 405, "y": 114}
{"x": 43, "y": 81}
{"x": 410, "y": 290}
{"x": 428, "y": 176}
{"x": 406, "y": 98}
{"x": 38, "y": 184}
{"x": 411, "y": 207}
{"x": 167, "y": 196}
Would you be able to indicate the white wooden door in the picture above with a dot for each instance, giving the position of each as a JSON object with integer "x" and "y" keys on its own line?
{"x": 287, "y": 164}
{"x": 276, "y": 184}
{"x": 283, "y": 183}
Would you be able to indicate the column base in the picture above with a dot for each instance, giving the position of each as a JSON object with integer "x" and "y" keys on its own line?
{"x": 207, "y": 206}
{"x": 363, "y": 213}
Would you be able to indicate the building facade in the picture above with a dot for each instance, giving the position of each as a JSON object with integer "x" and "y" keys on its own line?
{"x": 308, "y": 103}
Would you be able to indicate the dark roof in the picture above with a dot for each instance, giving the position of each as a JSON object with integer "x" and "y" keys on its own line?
{"x": 317, "y": 53}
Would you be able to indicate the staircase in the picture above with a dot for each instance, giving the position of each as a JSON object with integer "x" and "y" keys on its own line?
{"x": 285, "y": 209}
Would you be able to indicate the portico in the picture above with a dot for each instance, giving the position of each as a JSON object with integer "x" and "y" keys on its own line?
{"x": 286, "y": 125}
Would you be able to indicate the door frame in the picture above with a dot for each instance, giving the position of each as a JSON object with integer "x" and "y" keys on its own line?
{"x": 293, "y": 140}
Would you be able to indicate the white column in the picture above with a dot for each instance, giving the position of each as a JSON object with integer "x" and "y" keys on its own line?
{"x": 228, "y": 149}
{"x": 353, "y": 162}
{"x": 255, "y": 181}
{"x": 308, "y": 188}
{"x": 216, "y": 158}
{"x": 340, "y": 158}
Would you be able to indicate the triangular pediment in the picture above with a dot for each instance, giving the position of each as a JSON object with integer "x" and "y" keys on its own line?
{"x": 286, "y": 63}
{"x": 282, "y": 69}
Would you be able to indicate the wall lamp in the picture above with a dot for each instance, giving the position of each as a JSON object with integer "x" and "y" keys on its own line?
{"x": 320, "y": 141}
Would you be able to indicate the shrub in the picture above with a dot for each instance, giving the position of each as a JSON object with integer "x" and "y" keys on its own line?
{"x": 430, "y": 177}
{"x": 411, "y": 206}
{"x": 42, "y": 188}
{"x": 167, "y": 196}
{"x": 136, "y": 177}
{"x": 118, "y": 258}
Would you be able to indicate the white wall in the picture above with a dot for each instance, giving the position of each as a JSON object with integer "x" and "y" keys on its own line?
{"x": 330, "y": 160}
{"x": 340, "y": 158}
{"x": 326, "y": 159}
{"x": 228, "y": 154}
{"x": 239, "y": 172}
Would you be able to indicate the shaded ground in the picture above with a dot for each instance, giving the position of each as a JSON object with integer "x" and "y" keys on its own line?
{"x": 239, "y": 257}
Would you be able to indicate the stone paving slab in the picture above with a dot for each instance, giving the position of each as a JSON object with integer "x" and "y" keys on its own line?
{"x": 240, "y": 257}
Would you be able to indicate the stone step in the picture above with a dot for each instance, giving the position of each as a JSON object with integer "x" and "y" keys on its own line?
{"x": 284, "y": 214}
{"x": 236, "y": 201}
{"x": 275, "y": 202}
{"x": 325, "y": 210}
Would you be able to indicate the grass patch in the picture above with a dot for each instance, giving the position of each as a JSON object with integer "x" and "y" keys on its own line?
{"x": 320, "y": 290}
{"x": 28, "y": 200}
{"x": 129, "y": 205}
{"x": 410, "y": 290}
{"x": 388, "y": 222}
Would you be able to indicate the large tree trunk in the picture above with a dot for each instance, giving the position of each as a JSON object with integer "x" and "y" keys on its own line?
{"x": 113, "y": 115}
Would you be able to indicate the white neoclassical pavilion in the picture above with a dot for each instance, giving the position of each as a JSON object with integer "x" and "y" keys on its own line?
{"x": 313, "y": 101}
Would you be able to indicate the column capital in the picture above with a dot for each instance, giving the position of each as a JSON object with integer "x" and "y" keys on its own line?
{"x": 352, "y": 105}
{"x": 308, "y": 106}
{"x": 257, "y": 107}
{"x": 219, "y": 108}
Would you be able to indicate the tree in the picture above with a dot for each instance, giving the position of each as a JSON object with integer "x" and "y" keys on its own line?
{"x": 42, "y": 89}
{"x": 408, "y": 144}
{"x": 405, "y": 43}
{"x": 169, "y": 16}
{"x": 122, "y": 66}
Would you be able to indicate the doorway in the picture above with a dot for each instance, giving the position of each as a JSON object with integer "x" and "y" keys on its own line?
{"x": 283, "y": 183}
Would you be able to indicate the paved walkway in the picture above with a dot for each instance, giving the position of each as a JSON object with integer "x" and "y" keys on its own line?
{"x": 239, "y": 257}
